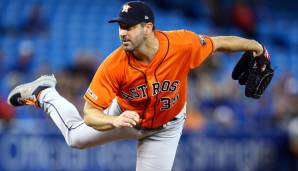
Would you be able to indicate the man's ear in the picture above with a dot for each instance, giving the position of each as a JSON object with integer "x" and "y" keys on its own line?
{"x": 148, "y": 28}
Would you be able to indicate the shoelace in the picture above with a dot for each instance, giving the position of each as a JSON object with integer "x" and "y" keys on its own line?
{"x": 31, "y": 100}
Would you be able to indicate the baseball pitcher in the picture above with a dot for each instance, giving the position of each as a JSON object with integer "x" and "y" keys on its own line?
{"x": 138, "y": 92}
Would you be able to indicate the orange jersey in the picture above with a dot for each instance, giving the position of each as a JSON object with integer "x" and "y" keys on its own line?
{"x": 156, "y": 91}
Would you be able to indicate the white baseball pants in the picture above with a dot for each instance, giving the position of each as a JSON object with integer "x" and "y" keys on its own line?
{"x": 156, "y": 149}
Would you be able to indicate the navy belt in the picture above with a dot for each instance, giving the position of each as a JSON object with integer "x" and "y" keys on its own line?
{"x": 139, "y": 127}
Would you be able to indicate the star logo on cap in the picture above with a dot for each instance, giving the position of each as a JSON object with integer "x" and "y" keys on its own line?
{"x": 125, "y": 8}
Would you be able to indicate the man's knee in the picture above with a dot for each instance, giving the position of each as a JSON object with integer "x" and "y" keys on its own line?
{"x": 78, "y": 145}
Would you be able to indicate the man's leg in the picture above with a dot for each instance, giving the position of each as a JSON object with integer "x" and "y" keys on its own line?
{"x": 157, "y": 151}
{"x": 65, "y": 115}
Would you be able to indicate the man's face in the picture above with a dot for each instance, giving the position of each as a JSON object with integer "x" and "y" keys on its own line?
{"x": 131, "y": 37}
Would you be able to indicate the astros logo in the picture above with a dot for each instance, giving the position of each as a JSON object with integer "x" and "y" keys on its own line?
{"x": 125, "y": 8}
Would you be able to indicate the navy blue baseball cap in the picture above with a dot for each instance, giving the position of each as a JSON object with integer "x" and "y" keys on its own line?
{"x": 134, "y": 12}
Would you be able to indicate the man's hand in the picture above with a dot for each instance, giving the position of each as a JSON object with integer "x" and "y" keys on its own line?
{"x": 98, "y": 120}
{"x": 259, "y": 51}
{"x": 126, "y": 119}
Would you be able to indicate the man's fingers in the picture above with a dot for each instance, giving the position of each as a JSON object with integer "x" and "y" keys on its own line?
{"x": 129, "y": 121}
{"x": 125, "y": 125}
{"x": 132, "y": 115}
{"x": 136, "y": 118}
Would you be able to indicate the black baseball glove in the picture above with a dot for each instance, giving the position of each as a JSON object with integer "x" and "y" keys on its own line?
{"x": 254, "y": 72}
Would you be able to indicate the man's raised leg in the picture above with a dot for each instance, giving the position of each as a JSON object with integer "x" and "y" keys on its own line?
{"x": 42, "y": 93}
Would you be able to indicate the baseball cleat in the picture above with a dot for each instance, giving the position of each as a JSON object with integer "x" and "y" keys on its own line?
{"x": 27, "y": 94}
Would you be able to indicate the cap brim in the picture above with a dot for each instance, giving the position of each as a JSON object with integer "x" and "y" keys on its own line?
{"x": 123, "y": 20}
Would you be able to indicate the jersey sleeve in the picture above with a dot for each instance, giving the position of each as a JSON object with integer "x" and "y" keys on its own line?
{"x": 103, "y": 87}
{"x": 201, "y": 48}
